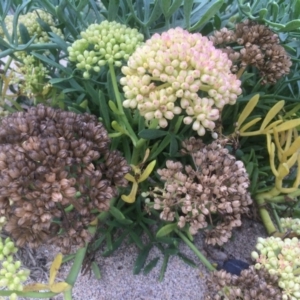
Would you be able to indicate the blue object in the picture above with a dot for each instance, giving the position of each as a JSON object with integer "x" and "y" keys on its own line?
{"x": 235, "y": 266}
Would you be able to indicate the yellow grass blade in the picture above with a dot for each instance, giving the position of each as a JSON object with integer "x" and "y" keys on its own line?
{"x": 55, "y": 267}
{"x": 249, "y": 124}
{"x": 295, "y": 147}
{"x": 288, "y": 125}
{"x": 59, "y": 287}
{"x": 272, "y": 113}
{"x": 247, "y": 110}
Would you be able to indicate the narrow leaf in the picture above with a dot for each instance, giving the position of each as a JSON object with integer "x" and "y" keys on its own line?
{"x": 35, "y": 287}
{"x": 25, "y": 37}
{"x": 60, "y": 287}
{"x": 272, "y": 113}
{"x": 211, "y": 11}
{"x": 55, "y": 267}
{"x": 165, "y": 230}
{"x": 152, "y": 264}
{"x": 249, "y": 124}
{"x": 150, "y": 134}
{"x": 288, "y": 125}
{"x": 187, "y": 260}
{"x": 141, "y": 259}
{"x": 187, "y": 10}
{"x": 294, "y": 147}
{"x": 247, "y": 110}
{"x": 291, "y": 26}
{"x": 116, "y": 213}
{"x": 96, "y": 270}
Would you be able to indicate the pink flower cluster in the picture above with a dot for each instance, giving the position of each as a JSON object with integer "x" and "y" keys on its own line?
{"x": 179, "y": 71}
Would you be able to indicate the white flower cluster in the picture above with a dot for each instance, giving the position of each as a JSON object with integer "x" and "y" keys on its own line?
{"x": 11, "y": 274}
{"x": 290, "y": 224}
{"x": 107, "y": 42}
{"x": 178, "y": 71}
{"x": 281, "y": 258}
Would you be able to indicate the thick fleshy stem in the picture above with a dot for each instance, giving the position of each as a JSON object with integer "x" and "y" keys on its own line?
{"x": 133, "y": 136}
{"x": 202, "y": 258}
{"x": 261, "y": 200}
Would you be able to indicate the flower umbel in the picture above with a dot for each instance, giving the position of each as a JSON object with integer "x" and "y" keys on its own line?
{"x": 179, "y": 71}
{"x": 107, "y": 42}
{"x": 214, "y": 192}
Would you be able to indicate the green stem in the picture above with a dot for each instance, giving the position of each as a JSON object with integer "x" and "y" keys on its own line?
{"x": 264, "y": 214}
{"x": 202, "y": 258}
{"x": 282, "y": 199}
{"x": 133, "y": 136}
{"x": 74, "y": 272}
{"x": 30, "y": 295}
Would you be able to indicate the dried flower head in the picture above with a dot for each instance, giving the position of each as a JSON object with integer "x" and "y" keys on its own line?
{"x": 261, "y": 48}
{"x": 102, "y": 43}
{"x": 55, "y": 165}
{"x": 177, "y": 71}
{"x": 251, "y": 284}
{"x": 214, "y": 192}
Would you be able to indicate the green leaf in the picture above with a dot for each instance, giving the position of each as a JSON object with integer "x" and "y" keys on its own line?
{"x": 164, "y": 267}
{"x": 165, "y": 230}
{"x": 25, "y": 37}
{"x": 113, "y": 8}
{"x": 262, "y": 13}
{"x": 187, "y": 260}
{"x": 173, "y": 146}
{"x": 103, "y": 109}
{"x": 149, "y": 267}
{"x": 249, "y": 168}
{"x": 141, "y": 259}
{"x": 150, "y": 134}
{"x": 156, "y": 13}
{"x": 175, "y": 5}
{"x": 187, "y": 10}
{"x": 137, "y": 240}
{"x": 211, "y": 11}
{"x": 117, "y": 214}
{"x": 165, "y": 5}
{"x": 162, "y": 145}
{"x": 296, "y": 13}
{"x": 51, "y": 62}
{"x": 58, "y": 41}
{"x": 290, "y": 26}
{"x": 96, "y": 270}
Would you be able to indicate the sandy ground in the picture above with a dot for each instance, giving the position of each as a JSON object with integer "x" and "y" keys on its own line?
{"x": 181, "y": 281}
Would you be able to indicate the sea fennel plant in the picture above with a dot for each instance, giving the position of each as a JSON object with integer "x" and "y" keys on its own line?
{"x": 123, "y": 62}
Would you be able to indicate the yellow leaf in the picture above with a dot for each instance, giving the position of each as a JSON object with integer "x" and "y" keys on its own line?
{"x": 131, "y": 197}
{"x": 292, "y": 160}
{"x": 288, "y": 125}
{"x": 271, "y": 126}
{"x": 94, "y": 222}
{"x": 146, "y": 155}
{"x": 249, "y": 124}
{"x": 295, "y": 147}
{"x": 55, "y": 267}
{"x": 288, "y": 134}
{"x": 60, "y": 287}
{"x": 35, "y": 287}
{"x": 129, "y": 177}
{"x": 272, "y": 113}
{"x": 271, "y": 150}
{"x": 147, "y": 171}
{"x": 247, "y": 110}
